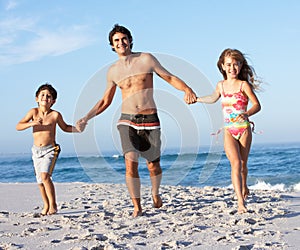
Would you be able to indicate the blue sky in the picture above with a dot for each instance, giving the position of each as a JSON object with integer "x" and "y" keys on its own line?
{"x": 66, "y": 43}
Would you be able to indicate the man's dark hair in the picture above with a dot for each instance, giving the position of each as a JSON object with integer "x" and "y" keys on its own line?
{"x": 120, "y": 29}
{"x": 49, "y": 87}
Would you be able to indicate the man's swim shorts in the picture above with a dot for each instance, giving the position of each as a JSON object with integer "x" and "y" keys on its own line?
{"x": 141, "y": 133}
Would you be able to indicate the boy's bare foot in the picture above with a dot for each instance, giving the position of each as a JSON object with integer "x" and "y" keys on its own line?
{"x": 52, "y": 210}
{"x": 246, "y": 193}
{"x": 241, "y": 208}
{"x": 157, "y": 202}
{"x": 44, "y": 211}
{"x": 137, "y": 213}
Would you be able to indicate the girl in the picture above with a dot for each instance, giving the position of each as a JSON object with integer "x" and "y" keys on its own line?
{"x": 235, "y": 90}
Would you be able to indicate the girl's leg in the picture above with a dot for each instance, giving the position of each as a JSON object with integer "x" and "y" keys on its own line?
{"x": 44, "y": 198}
{"x": 50, "y": 192}
{"x": 232, "y": 150}
{"x": 245, "y": 145}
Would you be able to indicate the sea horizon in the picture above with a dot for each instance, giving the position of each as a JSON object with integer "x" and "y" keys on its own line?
{"x": 271, "y": 166}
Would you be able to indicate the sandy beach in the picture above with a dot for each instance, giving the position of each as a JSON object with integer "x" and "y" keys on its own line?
{"x": 98, "y": 216}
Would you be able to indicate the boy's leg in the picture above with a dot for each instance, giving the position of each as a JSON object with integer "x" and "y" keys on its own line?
{"x": 50, "y": 192}
{"x": 44, "y": 198}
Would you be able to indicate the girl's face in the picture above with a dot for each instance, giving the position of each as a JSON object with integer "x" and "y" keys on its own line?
{"x": 232, "y": 67}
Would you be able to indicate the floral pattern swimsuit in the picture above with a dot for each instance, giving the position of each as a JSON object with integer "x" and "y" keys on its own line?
{"x": 232, "y": 106}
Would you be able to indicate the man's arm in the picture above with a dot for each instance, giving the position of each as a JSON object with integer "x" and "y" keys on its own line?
{"x": 99, "y": 107}
{"x": 176, "y": 82}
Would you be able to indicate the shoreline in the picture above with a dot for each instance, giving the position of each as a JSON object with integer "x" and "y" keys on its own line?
{"x": 94, "y": 215}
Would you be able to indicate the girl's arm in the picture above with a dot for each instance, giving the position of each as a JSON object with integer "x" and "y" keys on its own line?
{"x": 253, "y": 99}
{"x": 215, "y": 96}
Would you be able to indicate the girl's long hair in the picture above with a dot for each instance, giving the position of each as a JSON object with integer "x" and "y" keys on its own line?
{"x": 247, "y": 72}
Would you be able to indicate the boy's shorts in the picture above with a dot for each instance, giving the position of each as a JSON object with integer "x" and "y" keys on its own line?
{"x": 141, "y": 134}
{"x": 44, "y": 159}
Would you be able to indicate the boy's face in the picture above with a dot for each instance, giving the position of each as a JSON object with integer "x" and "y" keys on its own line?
{"x": 45, "y": 98}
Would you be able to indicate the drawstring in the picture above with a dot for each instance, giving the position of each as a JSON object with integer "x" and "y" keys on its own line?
{"x": 252, "y": 130}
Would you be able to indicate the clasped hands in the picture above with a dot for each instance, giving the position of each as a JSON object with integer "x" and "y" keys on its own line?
{"x": 81, "y": 124}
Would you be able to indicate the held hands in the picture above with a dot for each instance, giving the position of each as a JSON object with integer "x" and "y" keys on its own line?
{"x": 190, "y": 97}
{"x": 81, "y": 124}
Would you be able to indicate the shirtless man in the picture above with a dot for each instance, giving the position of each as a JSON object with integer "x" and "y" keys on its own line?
{"x": 139, "y": 125}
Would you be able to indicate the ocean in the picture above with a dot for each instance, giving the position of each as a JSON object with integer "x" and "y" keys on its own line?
{"x": 270, "y": 166}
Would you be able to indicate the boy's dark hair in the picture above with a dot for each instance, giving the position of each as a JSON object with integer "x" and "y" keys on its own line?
{"x": 49, "y": 87}
{"x": 120, "y": 29}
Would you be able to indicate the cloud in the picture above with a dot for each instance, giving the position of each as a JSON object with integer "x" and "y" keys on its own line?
{"x": 21, "y": 40}
{"x": 11, "y": 5}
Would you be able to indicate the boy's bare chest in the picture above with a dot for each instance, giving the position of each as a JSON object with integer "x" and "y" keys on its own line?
{"x": 46, "y": 119}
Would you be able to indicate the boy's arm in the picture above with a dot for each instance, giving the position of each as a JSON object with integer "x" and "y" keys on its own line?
{"x": 64, "y": 126}
{"x": 28, "y": 121}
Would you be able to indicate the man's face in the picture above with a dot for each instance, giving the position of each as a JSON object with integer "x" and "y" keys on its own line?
{"x": 121, "y": 43}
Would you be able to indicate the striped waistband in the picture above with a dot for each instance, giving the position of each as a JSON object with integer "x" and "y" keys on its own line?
{"x": 140, "y": 121}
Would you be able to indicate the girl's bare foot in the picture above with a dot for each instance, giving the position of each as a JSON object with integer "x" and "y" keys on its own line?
{"x": 157, "y": 202}
{"x": 137, "y": 213}
{"x": 246, "y": 193}
{"x": 241, "y": 208}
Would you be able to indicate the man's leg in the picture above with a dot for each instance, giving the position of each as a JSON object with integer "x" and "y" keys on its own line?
{"x": 155, "y": 176}
{"x": 133, "y": 181}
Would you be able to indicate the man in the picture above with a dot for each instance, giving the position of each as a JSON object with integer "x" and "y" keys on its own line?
{"x": 139, "y": 125}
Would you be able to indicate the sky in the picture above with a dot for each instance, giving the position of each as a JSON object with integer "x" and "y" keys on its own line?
{"x": 66, "y": 44}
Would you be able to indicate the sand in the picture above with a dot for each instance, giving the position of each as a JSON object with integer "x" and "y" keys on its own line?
{"x": 98, "y": 216}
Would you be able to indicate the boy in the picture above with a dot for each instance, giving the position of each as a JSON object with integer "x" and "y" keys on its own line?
{"x": 45, "y": 151}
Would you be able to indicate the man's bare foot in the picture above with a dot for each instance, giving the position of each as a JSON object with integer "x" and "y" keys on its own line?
{"x": 241, "y": 208}
{"x": 45, "y": 211}
{"x": 137, "y": 213}
{"x": 246, "y": 193}
{"x": 157, "y": 202}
